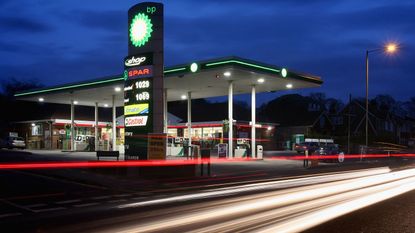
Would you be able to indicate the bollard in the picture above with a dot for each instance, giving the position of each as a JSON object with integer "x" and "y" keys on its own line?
{"x": 208, "y": 167}
{"x": 205, "y": 155}
{"x": 306, "y": 158}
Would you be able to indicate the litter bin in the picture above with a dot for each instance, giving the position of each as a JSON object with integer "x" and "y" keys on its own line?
{"x": 259, "y": 152}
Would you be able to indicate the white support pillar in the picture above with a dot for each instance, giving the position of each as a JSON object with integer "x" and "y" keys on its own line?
{"x": 189, "y": 120}
{"x": 230, "y": 116}
{"x": 96, "y": 128}
{"x": 72, "y": 125}
{"x": 253, "y": 122}
{"x": 165, "y": 112}
{"x": 114, "y": 125}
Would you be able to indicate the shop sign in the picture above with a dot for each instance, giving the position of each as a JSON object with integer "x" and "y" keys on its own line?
{"x": 139, "y": 60}
{"x": 141, "y": 72}
{"x": 136, "y": 121}
{"x": 136, "y": 109}
{"x": 135, "y": 61}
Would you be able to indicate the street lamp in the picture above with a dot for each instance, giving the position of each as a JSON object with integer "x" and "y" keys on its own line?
{"x": 389, "y": 48}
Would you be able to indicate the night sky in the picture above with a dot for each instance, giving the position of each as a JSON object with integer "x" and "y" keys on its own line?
{"x": 55, "y": 42}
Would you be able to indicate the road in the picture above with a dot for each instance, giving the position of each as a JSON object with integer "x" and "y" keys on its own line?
{"x": 256, "y": 200}
{"x": 260, "y": 208}
{"x": 390, "y": 216}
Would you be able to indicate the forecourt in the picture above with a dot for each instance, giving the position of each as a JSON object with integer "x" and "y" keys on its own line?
{"x": 201, "y": 79}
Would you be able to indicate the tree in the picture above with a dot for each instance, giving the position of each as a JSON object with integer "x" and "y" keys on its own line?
{"x": 409, "y": 107}
{"x": 14, "y": 108}
{"x": 333, "y": 105}
{"x": 13, "y": 86}
{"x": 387, "y": 104}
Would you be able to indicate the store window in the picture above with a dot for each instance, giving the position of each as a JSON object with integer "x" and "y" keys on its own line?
{"x": 36, "y": 129}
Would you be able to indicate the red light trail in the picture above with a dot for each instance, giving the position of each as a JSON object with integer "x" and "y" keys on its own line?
{"x": 161, "y": 163}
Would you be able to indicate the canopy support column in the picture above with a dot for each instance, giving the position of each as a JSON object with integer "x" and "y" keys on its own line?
{"x": 253, "y": 122}
{"x": 96, "y": 127}
{"x": 114, "y": 124}
{"x": 72, "y": 125}
{"x": 230, "y": 116}
{"x": 189, "y": 120}
{"x": 165, "y": 112}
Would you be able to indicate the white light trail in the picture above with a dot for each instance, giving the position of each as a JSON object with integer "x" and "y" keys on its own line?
{"x": 263, "y": 186}
{"x": 293, "y": 209}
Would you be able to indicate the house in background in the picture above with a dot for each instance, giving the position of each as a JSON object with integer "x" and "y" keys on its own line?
{"x": 385, "y": 125}
{"x": 295, "y": 115}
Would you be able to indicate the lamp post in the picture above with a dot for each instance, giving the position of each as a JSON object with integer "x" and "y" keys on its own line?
{"x": 390, "y": 49}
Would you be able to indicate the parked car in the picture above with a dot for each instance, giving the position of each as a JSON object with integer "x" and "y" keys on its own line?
{"x": 310, "y": 146}
{"x": 14, "y": 142}
{"x": 330, "y": 153}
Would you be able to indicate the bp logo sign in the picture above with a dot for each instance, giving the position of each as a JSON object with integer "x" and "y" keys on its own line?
{"x": 140, "y": 29}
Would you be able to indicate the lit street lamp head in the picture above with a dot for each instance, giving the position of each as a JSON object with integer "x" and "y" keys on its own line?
{"x": 391, "y": 48}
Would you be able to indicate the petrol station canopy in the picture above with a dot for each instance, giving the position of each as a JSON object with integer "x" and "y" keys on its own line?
{"x": 204, "y": 79}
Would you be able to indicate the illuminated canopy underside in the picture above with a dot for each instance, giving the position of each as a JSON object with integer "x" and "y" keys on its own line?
{"x": 208, "y": 81}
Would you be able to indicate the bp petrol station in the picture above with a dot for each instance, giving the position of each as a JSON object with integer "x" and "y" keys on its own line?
{"x": 148, "y": 85}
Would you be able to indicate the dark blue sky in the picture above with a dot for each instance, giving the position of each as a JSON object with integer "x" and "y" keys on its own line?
{"x": 57, "y": 42}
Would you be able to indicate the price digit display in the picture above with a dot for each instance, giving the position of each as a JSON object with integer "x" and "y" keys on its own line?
{"x": 142, "y": 96}
{"x": 142, "y": 84}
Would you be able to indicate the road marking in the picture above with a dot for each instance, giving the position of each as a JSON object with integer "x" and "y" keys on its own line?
{"x": 49, "y": 209}
{"x": 68, "y": 201}
{"x": 63, "y": 180}
{"x": 34, "y": 196}
{"x": 16, "y": 205}
{"x": 10, "y": 215}
{"x": 86, "y": 204}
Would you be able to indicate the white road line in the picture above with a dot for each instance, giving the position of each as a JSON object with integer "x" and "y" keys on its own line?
{"x": 16, "y": 205}
{"x": 10, "y": 215}
{"x": 86, "y": 204}
{"x": 49, "y": 209}
{"x": 68, "y": 201}
{"x": 62, "y": 180}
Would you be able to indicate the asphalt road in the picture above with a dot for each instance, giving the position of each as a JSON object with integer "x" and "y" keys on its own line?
{"x": 264, "y": 206}
{"x": 395, "y": 215}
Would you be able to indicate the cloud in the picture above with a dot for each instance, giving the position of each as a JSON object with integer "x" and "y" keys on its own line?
{"x": 110, "y": 20}
{"x": 23, "y": 24}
